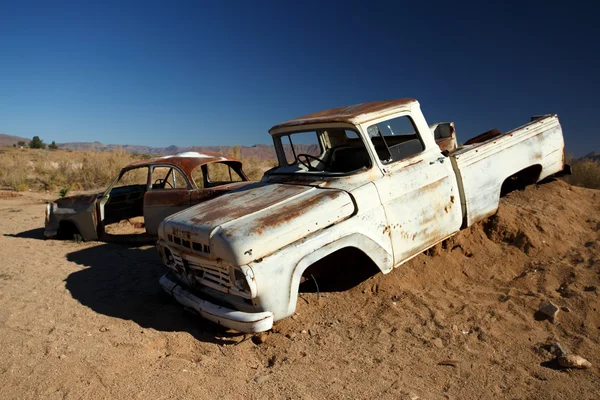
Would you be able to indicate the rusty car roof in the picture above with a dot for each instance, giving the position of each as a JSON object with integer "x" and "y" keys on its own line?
{"x": 187, "y": 161}
{"x": 353, "y": 114}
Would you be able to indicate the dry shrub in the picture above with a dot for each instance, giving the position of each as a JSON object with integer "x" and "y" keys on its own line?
{"x": 255, "y": 168}
{"x": 12, "y": 174}
{"x": 586, "y": 173}
{"x": 23, "y": 169}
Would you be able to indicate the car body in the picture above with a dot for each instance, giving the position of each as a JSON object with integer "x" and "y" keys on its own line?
{"x": 370, "y": 180}
{"x": 152, "y": 189}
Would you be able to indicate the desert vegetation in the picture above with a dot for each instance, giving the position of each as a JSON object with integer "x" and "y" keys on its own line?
{"x": 62, "y": 170}
{"x": 586, "y": 173}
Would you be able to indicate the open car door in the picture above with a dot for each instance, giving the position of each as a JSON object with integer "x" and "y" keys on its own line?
{"x": 170, "y": 192}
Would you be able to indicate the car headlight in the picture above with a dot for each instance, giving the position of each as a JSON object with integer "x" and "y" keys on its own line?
{"x": 242, "y": 279}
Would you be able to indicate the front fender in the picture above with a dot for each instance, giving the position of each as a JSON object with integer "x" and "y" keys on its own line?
{"x": 381, "y": 257}
{"x": 84, "y": 221}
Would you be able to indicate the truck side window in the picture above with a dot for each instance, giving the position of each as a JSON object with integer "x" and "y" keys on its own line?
{"x": 395, "y": 139}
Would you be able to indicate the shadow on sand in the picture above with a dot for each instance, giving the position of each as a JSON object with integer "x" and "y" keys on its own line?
{"x": 37, "y": 233}
{"x": 122, "y": 282}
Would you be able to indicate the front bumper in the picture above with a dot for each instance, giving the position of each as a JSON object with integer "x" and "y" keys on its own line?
{"x": 233, "y": 319}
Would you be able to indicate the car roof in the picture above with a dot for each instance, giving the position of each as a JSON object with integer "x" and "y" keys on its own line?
{"x": 186, "y": 162}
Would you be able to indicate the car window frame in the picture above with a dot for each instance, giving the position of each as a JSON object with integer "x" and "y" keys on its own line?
{"x": 150, "y": 177}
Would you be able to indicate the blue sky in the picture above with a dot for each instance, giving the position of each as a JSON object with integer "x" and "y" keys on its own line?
{"x": 200, "y": 73}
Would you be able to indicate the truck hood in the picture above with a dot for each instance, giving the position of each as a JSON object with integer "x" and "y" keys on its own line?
{"x": 255, "y": 221}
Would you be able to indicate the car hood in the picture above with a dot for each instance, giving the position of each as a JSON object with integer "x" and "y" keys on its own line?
{"x": 78, "y": 202}
{"x": 255, "y": 221}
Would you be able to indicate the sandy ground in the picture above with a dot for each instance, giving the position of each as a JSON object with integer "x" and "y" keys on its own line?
{"x": 89, "y": 320}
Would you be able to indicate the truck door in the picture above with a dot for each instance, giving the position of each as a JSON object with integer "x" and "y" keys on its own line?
{"x": 170, "y": 192}
{"x": 419, "y": 192}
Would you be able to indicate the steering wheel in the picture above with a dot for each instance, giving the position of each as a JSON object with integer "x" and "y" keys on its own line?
{"x": 162, "y": 183}
{"x": 307, "y": 163}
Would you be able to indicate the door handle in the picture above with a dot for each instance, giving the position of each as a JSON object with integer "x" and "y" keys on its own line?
{"x": 440, "y": 160}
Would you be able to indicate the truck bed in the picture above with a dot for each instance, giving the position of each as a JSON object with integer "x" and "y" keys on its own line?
{"x": 482, "y": 168}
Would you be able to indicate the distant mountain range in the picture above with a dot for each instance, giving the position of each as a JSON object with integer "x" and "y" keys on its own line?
{"x": 9, "y": 140}
{"x": 259, "y": 151}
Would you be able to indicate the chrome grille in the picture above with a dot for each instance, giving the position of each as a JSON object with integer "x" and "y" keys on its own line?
{"x": 203, "y": 248}
{"x": 209, "y": 275}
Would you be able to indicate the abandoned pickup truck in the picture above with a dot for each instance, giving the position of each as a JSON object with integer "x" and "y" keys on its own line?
{"x": 152, "y": 189}
{"x": 369, "y": 178}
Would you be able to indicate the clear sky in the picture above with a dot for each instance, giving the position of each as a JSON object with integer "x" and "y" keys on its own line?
{"x": 202, "y": 73}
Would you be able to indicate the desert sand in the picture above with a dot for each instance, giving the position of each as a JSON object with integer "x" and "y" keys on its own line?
{"x": 89, "y": 320}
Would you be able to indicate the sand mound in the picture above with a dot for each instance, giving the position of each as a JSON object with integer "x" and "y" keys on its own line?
{"x": 89, "y": 320}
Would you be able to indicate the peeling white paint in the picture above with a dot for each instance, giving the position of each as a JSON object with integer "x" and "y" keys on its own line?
{"x": 391, "y": 212}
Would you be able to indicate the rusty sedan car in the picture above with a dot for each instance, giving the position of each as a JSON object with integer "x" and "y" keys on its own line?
{"x": 149, "y": 190}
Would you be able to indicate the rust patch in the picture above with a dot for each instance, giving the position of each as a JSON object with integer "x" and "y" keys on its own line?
{"x": 452, "y": 199}
{"x": 387, "y": 230}
{"x": 432, "y": 186}
{"x": 81, "y": 200}
{"x": 484, "y": 137}
{"x": 157, "y": 198}
{"x": 446, "y": 144}
{"x": 244, "y": 203}
{"x": 344, "y": 114}
{"x": 291, "y": 211}
{"x": 188, "y": 164}
{"x": 413, "y": 163}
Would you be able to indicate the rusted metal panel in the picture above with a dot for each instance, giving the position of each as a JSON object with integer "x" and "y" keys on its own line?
{"x": 445, "y": 136}
{"x": 248, "y": 200}
{"x": 187, "y": 162}
{"x": 88, "y": 214}
{"x": 245, "y": 225}
{"x": 347, "y": 114}
{"x": 484, "y": 137}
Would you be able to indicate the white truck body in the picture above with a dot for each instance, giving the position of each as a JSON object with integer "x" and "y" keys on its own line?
{"x": 239, "y": 260}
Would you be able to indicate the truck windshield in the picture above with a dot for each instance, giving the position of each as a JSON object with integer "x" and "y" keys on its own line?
{"x": 322, "y": 152}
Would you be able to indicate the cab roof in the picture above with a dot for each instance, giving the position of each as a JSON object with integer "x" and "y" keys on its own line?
{"x": 354, "y": 114}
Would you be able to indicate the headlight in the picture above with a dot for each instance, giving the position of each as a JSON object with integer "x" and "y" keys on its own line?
{"x": 165, "y": 254}
{"x": 242, "y": 279}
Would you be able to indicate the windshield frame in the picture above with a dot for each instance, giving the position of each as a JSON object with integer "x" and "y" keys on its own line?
{"x": 318, "y": 129}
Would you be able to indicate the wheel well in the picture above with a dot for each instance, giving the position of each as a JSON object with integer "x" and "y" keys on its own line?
{"x": 341, "y": 270}
{"x": 67, "y": 230}
{"x": 521, "y": 179}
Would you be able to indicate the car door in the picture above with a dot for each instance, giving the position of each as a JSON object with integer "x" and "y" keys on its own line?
{"x": 419, "y": 191}
{"x": 170, "y": 192}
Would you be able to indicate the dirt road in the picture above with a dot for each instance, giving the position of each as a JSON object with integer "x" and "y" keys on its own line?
{"x": 89, "y": 320}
